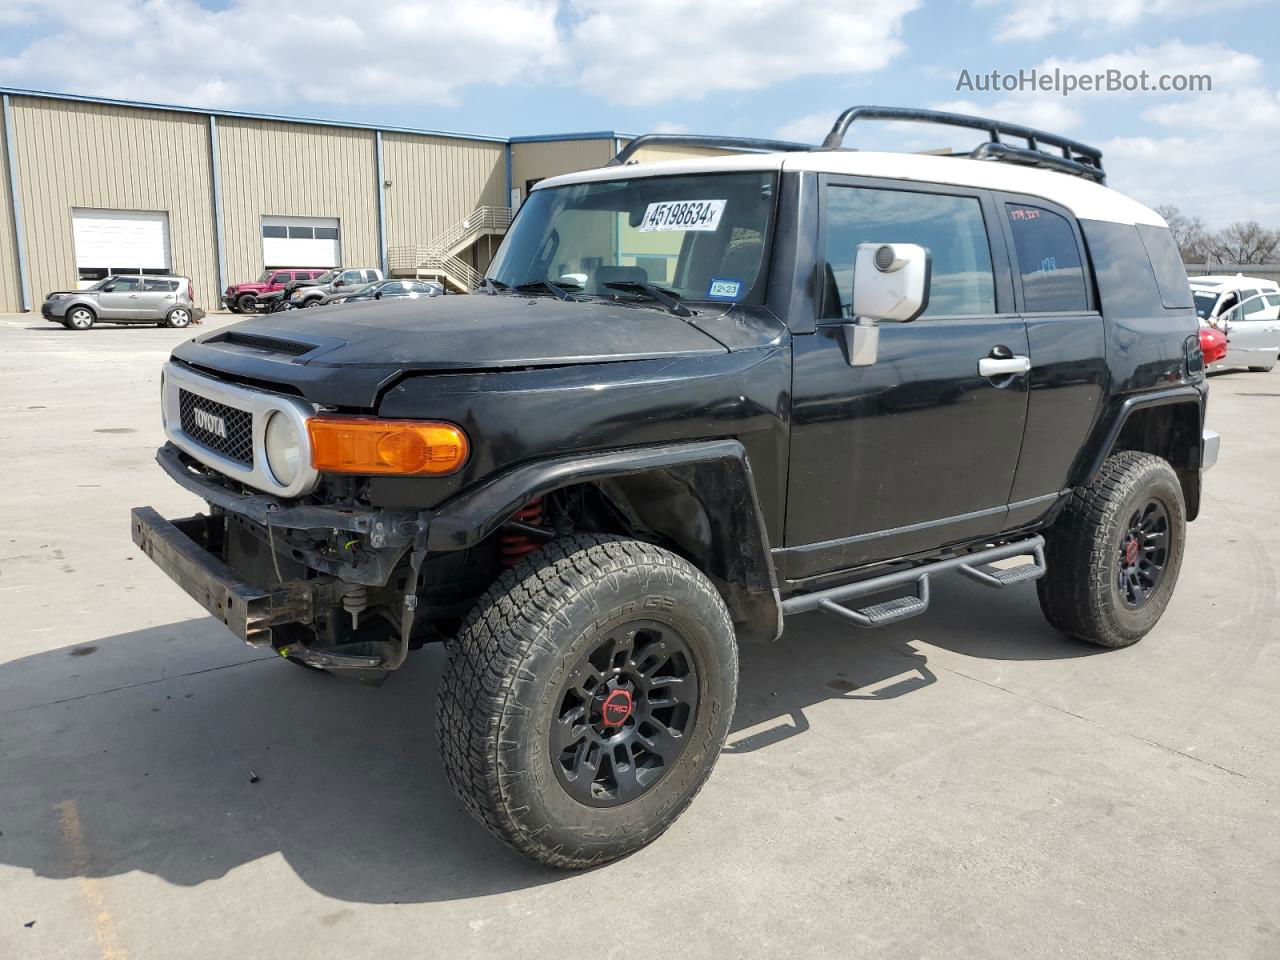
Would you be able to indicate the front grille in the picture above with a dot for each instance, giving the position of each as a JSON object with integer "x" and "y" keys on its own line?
{"x": 270, "y": 344}
{"x": 237, "y": 445}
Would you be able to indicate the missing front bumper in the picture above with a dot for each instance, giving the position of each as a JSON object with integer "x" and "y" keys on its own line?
{"x": 188, "y": 551}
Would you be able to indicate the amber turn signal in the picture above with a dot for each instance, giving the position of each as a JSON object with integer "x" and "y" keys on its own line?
{"x": 389, "y": 448}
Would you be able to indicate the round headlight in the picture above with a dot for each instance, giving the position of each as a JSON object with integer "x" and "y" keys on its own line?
{"x": 283, "y": 443}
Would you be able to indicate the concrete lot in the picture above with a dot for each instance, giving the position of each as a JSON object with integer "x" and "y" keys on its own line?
{"x": 968, "y": 784}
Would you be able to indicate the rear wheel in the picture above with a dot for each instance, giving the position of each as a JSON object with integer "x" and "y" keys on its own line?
{"x": 179, "y": 317}
{"x": 586, "y": 698}
{"x": 79, "y": 318}
{"x": 1114, "y": 553}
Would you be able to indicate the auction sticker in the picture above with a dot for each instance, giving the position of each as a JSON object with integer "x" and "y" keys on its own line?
{"x": 682, "y": 215}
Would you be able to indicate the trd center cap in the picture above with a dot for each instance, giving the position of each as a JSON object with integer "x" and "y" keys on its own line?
{"x": 616, "y": 708}
{"x": 1131, "y": 551}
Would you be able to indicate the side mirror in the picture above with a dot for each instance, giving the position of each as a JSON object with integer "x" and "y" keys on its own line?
{"x": 378, "y": 295}
{"x": 891, "y": 281}
{"x": 890, "y": 284}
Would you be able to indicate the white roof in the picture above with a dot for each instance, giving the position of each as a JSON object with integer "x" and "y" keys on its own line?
{"x": 1232, "y": 282}
{"x": 1084, "y": 198}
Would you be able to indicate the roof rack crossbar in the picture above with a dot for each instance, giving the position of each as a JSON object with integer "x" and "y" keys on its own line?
{"x": 1080, "y": 158}
{"x": 748, "y": 144}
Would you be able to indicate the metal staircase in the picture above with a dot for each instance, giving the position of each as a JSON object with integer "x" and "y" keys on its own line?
{"x": 438, "y": 259}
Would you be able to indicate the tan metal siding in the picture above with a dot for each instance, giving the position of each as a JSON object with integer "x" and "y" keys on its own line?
{"x": 74, "y": 154}
{"x": 537, "y": 161}
{"x": 436, "y": 182}
{"x": 10, "y": 284}
{"x": 295, "y": 170}
{"x": 657, "y": 154}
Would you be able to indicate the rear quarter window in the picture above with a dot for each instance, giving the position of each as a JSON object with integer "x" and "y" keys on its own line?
{"x": 1166, "y": 261}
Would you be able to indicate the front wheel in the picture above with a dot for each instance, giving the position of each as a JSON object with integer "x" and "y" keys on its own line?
{"x": 1114, "y": 552}
{"x": 586, "y": 698}
{"x": 79, "y": 318}
{"x": 247, "y": 303}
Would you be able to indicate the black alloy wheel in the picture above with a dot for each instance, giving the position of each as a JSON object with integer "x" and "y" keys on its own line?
{"x": 624, "y": 714}
{"x": 1144, "y": 552}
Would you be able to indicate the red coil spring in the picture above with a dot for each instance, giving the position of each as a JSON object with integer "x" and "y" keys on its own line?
{"x": 516, "y": 546}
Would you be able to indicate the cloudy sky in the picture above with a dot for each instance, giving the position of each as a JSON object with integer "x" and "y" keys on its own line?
{"x": 754, "y": 67}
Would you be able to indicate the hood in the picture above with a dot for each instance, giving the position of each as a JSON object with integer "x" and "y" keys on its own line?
{"x": 345, "y": 354}
{"x": 247, "y": 287}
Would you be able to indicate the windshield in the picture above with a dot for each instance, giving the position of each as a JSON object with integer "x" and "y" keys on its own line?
{"x": 1204, "y": 304}
{"x": 327, "y": 276}
{"x": 702, "y": 237}
{"x": 265, "y": 275}
{"x": 102, "y": 283}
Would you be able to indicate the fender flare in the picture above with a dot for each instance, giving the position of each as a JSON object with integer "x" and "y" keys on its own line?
{"x": 1144, "y": 401}
{"x": 737, "y": 557}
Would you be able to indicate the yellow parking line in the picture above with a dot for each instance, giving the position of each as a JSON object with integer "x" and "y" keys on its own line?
{"x": 104, "y": 928}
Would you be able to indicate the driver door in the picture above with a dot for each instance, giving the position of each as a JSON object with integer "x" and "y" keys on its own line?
{"x": 120, "y": 300}
{"x": 917, "y": 449}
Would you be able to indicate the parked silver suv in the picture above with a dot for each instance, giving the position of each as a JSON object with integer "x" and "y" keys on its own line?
{"x": 166, "y": 300}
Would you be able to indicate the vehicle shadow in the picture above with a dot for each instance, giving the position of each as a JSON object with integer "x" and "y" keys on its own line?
{"x": 187, "y": 777}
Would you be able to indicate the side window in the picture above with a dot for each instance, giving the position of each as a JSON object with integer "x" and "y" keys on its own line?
{"x": 371, "y": 275}
{"x": 353, "y": 276}
{"x": 123, "y": 284}
{"x": 301, "y": 233}
{"x": 1048, "y": 259}
{"x": 1253, "y": 308}
{"x": 282, "y": 277}
{"x": 274, "y": 233}
{"x": 159, "y": 286}
{"x": 1166, "y": 261}
{"x": 326, "y": 233}
{"x": 394, "y": 287}
{"x": 950, "y": 227}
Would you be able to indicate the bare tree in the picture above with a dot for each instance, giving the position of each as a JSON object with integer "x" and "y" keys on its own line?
{"x": 1244, "y": 242}
{"x": 1189, "y": 233}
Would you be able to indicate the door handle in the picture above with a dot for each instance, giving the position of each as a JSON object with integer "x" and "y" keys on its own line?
{"x": 1003, "y": 367}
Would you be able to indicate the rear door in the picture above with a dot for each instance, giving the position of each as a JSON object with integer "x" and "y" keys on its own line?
{"x": 155, "y": 298}
{"x": 917, "y": 450}
{"x": 1055, "y": 297}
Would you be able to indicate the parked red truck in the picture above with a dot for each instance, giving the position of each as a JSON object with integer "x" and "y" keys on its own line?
{"x": 243, "y": 297}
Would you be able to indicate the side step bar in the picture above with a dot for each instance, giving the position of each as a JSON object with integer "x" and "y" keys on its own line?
{"x": 975, "y": 566}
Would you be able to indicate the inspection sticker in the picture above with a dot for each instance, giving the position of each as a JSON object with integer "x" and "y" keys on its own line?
{"x": 721, "y": 289}
{"x": 682, "y": 215}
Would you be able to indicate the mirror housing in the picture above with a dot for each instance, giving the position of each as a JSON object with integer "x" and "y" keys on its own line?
{"x": 891, "y": 281}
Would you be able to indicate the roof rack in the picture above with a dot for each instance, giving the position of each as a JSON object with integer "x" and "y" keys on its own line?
{"x": 697, "y": 140}
{"x": 1077, "y": 158}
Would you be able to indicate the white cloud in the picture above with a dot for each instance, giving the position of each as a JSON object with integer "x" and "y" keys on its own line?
{"x": 642, "y": 53}
{"x": 259, "y": 51}
{"x": 668, "y": 126}
{"x": 1033, "y": 19}
{"x": 810, "y": 128}
{"x": 255, "y": 52}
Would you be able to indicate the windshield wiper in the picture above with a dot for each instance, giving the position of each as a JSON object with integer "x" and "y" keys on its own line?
{"x": 668, "y": 298}
{"x": 557, "y": 291}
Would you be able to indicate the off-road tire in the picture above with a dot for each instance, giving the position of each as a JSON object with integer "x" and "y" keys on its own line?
{"x": 510, "y": 662}
{"x": 1079, "y": 593}
{"x": 247, "y": 303}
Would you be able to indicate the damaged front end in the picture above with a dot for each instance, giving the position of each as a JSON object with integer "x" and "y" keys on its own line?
{"x": 330, "y": 585}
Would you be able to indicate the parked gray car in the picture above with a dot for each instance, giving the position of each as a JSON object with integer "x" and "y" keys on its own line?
{"x": 167, "y": 300}
{"x": 336, "y": 281}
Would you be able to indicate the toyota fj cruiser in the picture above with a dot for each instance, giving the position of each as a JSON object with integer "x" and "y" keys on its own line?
{"x": 690, "y": 400}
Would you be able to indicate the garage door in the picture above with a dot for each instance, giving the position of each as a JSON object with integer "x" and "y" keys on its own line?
{"x": 300, "y": 242}
{"x": 119, "y": 241}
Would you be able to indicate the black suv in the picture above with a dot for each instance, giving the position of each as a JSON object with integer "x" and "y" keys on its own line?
{"x": 689, "y": 400}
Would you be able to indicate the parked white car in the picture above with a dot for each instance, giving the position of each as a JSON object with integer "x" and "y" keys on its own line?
{"x": 1216, "y": 295}
{"x": 1253, "y": 332}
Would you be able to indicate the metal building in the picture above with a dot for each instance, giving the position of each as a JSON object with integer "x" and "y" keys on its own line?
{"x": 92, "y": 186}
